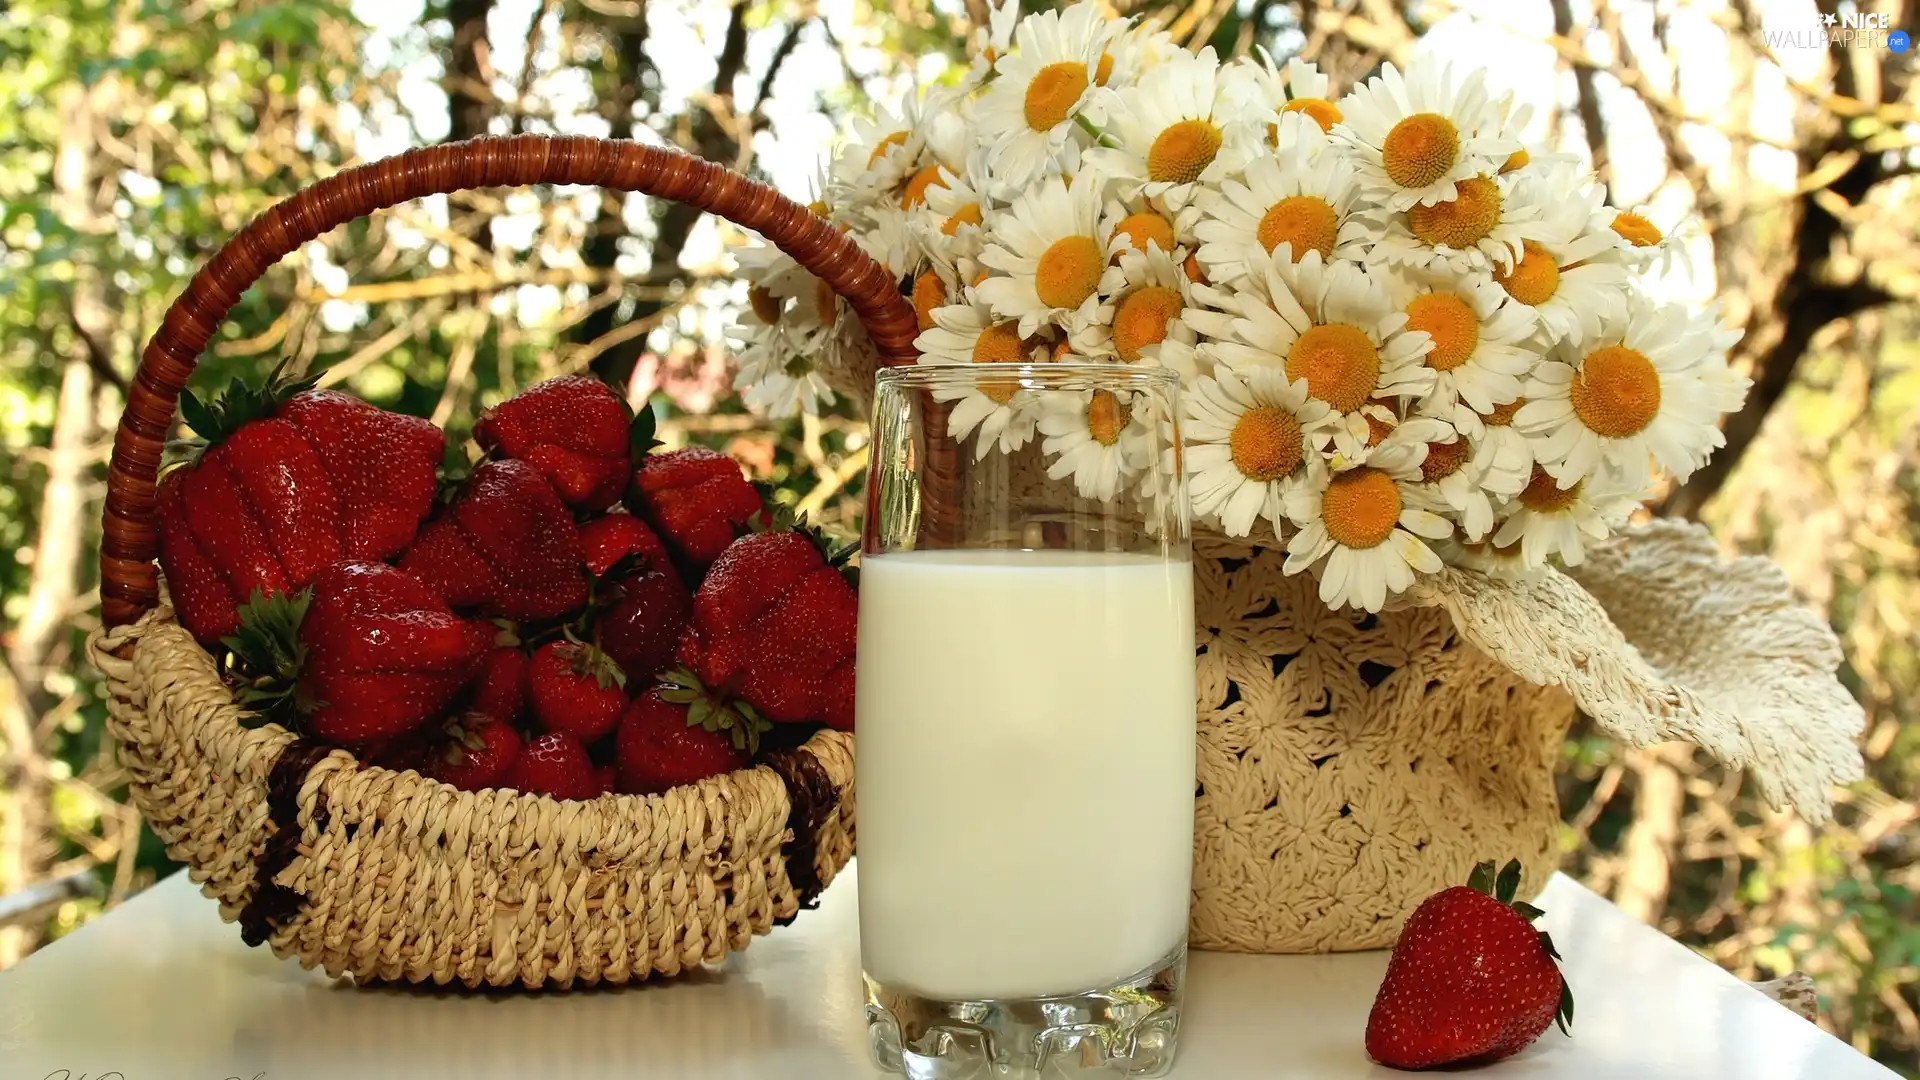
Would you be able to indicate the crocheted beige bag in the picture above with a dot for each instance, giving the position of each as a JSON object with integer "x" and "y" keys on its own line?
{"x": 1352, "y": 765}
{"x": 393, "y": 876}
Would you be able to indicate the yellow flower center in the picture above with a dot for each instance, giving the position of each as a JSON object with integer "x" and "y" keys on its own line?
{"x": 1516, "y": 160}
{"x": 1103, "y": 70}
{"x": 1182, "y": 152}
{"x": 928, "y": 293}
{"x": 1378, "y": 429}
{"x": 998, "y": 345}
{"x": 820, "y": 209}
{"x": 916, "y": 192}
{"x": 1069, "y": 271}
{"x": 1360, "y": 508}
{"x": 969, "y": 214}
{"x": 1052, "y": 93}
{"x": 1144, "y": 226}
{"x": 826, "y": 302}
{"x": 1462, "y": 221}
{"x": 1106, "y": 417}
{"x": 1194, "y": 273}
{"x": 1616, "y": 392}
{"x": 1451, "y": 323}
{"x": 1502, "y": 415}
{"x": 1062, "y": 351}
{"x": 898, "y": 138}
{"x": 1304, "y": 222}
{"x": 1636, "y": 230}
{"x": 1266, "y": 443}
{"x": 1141, "y": 319}
{"x": 1533, "y": 279}
{"x": 1323, "y": 112}
{"x": 1544, "y": 495}
{"x": 1339, "y": 362}
{"x": 765, "y": 305}
{"x": 1420, "y": 150}
{"x": 1443, "y": 460}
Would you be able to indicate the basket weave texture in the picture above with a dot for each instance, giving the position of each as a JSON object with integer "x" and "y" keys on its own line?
{"x": 389, "y": 875}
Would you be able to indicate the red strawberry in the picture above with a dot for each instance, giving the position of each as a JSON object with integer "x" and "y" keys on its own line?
{"x": 574, "y": 429}
{"x": 576, "y": 688}
{"x": 698, "y": 499}
{"x": 366, "y": 653}
{"x": 500, "y": 689}
{"x": 662, "y": 744}
{"x": 605, "y": 778}
{"x": 553, "y": 764}
{"x": 773, "y": 625}
{"x": 1470, "y": 980}
{"x": 407, "y": 750}
{"x": 609, "y": 539}
{"x": 506, "y": 545}
{"x": 280, "y": 491}
{"x": 642, "y": 628}
{"x": 477, "y": 753}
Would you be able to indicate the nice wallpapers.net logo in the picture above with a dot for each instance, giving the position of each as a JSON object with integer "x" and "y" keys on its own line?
{"x": 1848, "y": 30}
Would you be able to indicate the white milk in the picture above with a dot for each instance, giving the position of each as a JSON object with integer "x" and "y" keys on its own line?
{"x": 1024, "y": 769}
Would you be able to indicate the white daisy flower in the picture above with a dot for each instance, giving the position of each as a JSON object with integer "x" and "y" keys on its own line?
{"x": 1502, "y": 457}
{"x": 1551, "y": 522}
{"x": 1132, "y": 51}
{"x": 1365, "y": 529}
{"x": 1302, "y": 198}
{"x": 956, "y": 207}
{"x": 1482, "y": 342}
{"x": 1330, "y": 324}
{"x": 1180, "y": 125}
{"x": 1483, "y": 226}
{"x": 1148, "y": 306}
{"x": 1297, "y": 88}
{"x": 996, "y": 413}
{"x": 1644, "y": 246}
{"x": 1559, "y": 276}
{"x": 987, "y": 44}
{"x": 1416, "y": 136}
{"x": 1646, "y": 391}
{"x": 1140, "y": 223}
{"x": 775, "y": 370}
{"x": 1028, "y": 112}
{"x": 881, "y": 153}
{"x": 1095, "y": 439}
{"x": 1249, "y": 444}
{"x": 1453, "y": 476}
{"x": 1485, "y": 557}
{"x": 1055, "y": 252}
{"x": 887, "y": 236}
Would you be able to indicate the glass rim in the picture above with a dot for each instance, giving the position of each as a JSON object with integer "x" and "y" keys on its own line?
{"x": 1041, "y": 376}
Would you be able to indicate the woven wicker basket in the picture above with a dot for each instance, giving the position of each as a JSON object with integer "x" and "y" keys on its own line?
{"x": 392, "y": 876}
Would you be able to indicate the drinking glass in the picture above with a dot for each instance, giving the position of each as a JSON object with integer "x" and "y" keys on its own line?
{"x": 1025, "y": 721}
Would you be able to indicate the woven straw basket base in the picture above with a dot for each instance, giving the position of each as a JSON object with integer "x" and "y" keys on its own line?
{"x": 393, "y": 876}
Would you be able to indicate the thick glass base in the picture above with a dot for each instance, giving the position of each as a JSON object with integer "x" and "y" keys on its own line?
{"x": 1129, "y": 1029}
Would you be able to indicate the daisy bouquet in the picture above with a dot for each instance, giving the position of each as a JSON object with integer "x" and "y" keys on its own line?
{"x": 1406, "y": 339}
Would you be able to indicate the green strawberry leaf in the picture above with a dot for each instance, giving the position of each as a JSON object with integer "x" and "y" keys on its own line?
{"x": 1564, "y": 1014}
{"x": 640, "y": 434}
{"x": 852, "y": 576}
{"x": 1481, "y": 880}
{"x": 1509, "y": 884}
{"x": 1527, "y": 911}
{"x": 198, "y": 416}
{"x": 1546, "y": 942}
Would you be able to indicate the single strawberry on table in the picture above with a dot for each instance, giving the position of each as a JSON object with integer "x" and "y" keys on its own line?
{"x": 285, "y": 481}
{"x": 1470, "y": 980}
{"x": 476, "y": 753}
{"x": 553, "y": 764}
{"x": 671, "y": 735}
{"x": 363, "y": 655}
{"x": 577, "y": 688}
{"x": 773, "y": 625}
{"x": 505, "y": 545}
{"x": 698, "y": 500}
{"x": 575, "y": 430}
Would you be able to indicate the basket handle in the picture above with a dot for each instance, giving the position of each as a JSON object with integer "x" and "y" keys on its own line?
{"x": 129, "y": 584}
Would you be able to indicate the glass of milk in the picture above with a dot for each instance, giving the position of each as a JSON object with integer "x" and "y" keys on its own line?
{"x": 1025, "y": 721}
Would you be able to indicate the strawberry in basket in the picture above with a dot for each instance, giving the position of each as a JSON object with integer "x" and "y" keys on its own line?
{"x": 574, "y": 430}
{"x": 773, "y": 626}
{"x": 639, "y": 605}
{"x": 668, "y": 738}
{"x": 363, "y": 655}
{"x": 287, "y": 481}
{"x": 505, "y": 545}
{"x": 697, "y": 499}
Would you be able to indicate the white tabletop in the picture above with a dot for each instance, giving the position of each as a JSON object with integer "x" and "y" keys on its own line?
{"x": 162, "y": 990}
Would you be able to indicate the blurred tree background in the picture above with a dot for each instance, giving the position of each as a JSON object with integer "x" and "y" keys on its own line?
{"x": 136, "y": 135}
